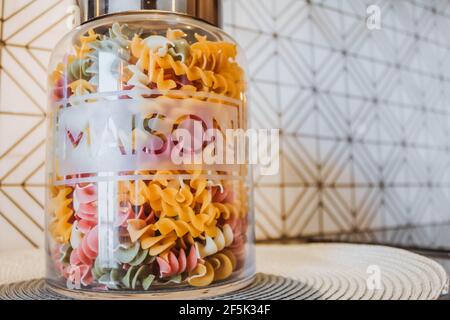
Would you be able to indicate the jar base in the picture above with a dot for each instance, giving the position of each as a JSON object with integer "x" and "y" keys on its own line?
{"x": 187, "y": 294}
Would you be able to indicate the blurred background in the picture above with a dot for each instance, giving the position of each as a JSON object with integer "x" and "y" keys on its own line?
{"x": 363, "y": 113}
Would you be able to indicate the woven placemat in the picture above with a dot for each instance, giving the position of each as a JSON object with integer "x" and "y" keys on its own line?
{"x": 264, "y": 287}
{"x": 323, "y": 271}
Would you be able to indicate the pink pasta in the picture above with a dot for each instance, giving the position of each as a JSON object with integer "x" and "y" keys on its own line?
{"x": 86, "y": 207}
{"x": 171, "y": 265}
{"x": 239, "y": 227}
{"x": 86, "y": 253}
{"x": 79, "y": 275}
{"x": 222, "y": 197}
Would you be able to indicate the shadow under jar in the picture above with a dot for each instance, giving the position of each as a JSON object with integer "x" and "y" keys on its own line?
{"x": 134, "y": 208}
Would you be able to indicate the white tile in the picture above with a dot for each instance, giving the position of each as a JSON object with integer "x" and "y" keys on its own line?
{"x": 301, "y": 206}
{"x": 315, "y": 70}
{"x": 269, "y": 224}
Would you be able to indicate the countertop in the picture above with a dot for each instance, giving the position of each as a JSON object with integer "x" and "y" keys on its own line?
{"x": 278, "y": 259}
{"x": 29, "y": 264}
{"x": 432, "y": 241}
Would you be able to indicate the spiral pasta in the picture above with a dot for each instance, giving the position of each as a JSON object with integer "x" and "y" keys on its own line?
{"x": 224, "y": 238}
{"x": 61, "y": 227}
{"x": 169, "y": 226}
{"x": 138, "y": 81}
{"x": 121, "y": 34}
{"x": 178, "y": 202}
{"x": 138, "y": 274}
{"x": 81, "y": 247}
{"x": 139, "y": 230}
{"x": 216, "y": 268}
{"x": 116, "y": 46}
{"x": 78, "y": 69}
{"x": 84, "y": 48}
{"x": 222, "y": 264}
{"x": 202, "y": 275}
{"x": 221, "y": 83}
{"x": 86, "y": 253}
{"x": 209, "y": 63}
{"x": 180, "y": 50}
{"x": 85, "y": 206}
{"x": 239, "y": 227}
{"x": 172, "y": 264}
{"x": 81, "y": 87}
{"x": 78, "y": 275}
{"x": 133, "y": 278}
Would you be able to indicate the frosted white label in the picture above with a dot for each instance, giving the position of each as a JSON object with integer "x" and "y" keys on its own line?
{"x": 128, "y": 134}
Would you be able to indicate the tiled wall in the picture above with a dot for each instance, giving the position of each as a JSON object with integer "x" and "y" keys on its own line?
{"x": 364, "y": 114}
{"x": 29, "y": 30}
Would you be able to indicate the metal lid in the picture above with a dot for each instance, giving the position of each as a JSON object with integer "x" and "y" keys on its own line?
{"x": 207, "y": 10}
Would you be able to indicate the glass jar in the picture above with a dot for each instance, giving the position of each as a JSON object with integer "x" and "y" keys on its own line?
{"x": 134, "y": 208}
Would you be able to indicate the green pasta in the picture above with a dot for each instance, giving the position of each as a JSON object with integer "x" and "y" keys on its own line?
{"x": 134, "y": 269}
{"x": 180, "y": 51}
{"x": 78, "y": 70}
{"x": 117, "y": 45}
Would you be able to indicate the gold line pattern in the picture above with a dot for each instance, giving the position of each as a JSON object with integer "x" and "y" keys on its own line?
{"x": 21, "y": 153}
{"x": 365, "y": 121}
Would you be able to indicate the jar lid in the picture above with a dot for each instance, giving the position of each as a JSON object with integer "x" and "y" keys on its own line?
{"x": 207, "y": 10}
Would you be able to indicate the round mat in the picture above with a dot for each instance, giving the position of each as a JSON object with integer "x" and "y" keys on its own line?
{"x": 264, "y": 287}
{"x": 317, "y": 271}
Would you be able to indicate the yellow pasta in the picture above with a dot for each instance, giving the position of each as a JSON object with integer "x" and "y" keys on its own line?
{"x": 84, "y": 48}
{"x": 57, "y": 74}
{"x": 174, "y": 34}
{"x": 60, "y": 227}
{"x": 216, "y": 268}
{"x": 176, "y": 202}
{"x": 172, "y": 212}
{"x": 163, "y": 84}
{"x": 222, "y": 265}
{"x": 202, "y": 275}
{"x": 81, "y": 87}
{"x": 167, "y": 225}
{"x": 136, "y": 192}
{"x": 138, "y": 80}
{"x": 226, "y": 210}
{"x": 220, "y": 83}
{"x": 223, "y": 238}
{"x": 198, "y": 220}
{"x": 210, "y": 64}
{"x": 139, "y": 230}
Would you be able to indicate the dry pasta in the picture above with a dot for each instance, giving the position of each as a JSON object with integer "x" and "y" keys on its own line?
{"x": 175, "y": 226}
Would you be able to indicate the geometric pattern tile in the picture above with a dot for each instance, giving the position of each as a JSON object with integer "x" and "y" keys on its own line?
{"x": 364, "y": 115}
{"x": 28, "y": 31}
{"x": 435, "y": 237}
